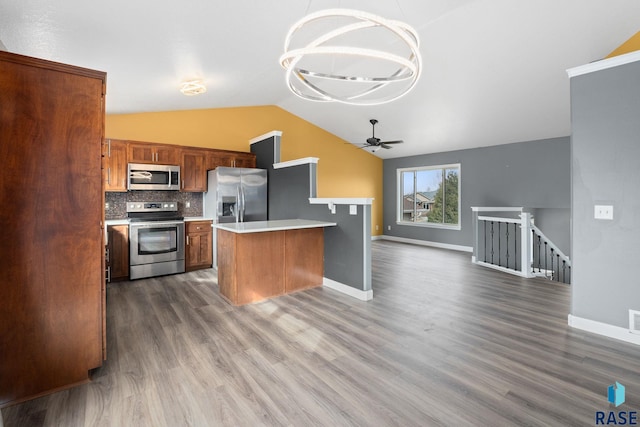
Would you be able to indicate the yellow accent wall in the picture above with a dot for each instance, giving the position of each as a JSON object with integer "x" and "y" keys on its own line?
{"x": 343, "y": 169}
{"x": 630, "y": 45}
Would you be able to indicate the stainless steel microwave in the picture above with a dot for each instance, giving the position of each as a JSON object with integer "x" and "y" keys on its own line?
{"x": 153, "y": 177}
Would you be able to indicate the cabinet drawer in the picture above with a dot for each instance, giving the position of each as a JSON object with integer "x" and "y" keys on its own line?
{"x": 198, "y": 226}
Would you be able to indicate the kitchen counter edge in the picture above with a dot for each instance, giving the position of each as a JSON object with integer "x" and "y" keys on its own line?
{"x": 272, "y": 225}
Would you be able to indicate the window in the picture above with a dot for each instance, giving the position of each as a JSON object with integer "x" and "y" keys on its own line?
{"x": 429, "y": 196}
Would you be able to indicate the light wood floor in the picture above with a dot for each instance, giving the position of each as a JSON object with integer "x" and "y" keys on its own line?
{"x": 443, "y": 342}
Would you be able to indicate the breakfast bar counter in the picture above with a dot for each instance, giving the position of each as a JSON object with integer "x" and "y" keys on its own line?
{"x": 264, "y": 259}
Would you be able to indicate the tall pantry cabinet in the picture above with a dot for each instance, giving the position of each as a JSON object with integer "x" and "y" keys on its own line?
{"x": 52, "y": 300}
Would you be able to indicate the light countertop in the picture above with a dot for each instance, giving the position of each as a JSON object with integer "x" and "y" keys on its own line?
{"x": 274, "y": 225}
{"x": 197, "y": 218}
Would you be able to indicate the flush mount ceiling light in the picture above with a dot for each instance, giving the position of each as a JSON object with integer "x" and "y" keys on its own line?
{"x": 351, "y": 57}
{"x": 193, "y": 87}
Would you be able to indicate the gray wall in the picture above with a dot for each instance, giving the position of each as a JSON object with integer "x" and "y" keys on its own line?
{"x": 533, "y": 174}
{"x": 605, "y": 145}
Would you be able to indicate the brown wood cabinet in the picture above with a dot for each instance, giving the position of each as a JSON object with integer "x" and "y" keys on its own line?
{"x": 193, "y": 170}
{"x": 115, "y": 165}
{"x": 256, "y": 266}
{"x": 199, "y": 250}
{"x": 147, "y": 152}
{"x": 117, "y": 252}
{"x": 217, "y": 158}
{"x": 52, "y": 287}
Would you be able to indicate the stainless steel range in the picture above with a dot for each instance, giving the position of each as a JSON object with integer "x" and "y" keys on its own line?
{"x": 156, "y": 239}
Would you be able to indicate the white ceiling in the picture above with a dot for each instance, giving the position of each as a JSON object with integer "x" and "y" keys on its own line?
{"x": 494, "y": 70}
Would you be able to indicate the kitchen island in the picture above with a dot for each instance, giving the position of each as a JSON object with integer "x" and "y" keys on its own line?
{"x": 264, "y": 259}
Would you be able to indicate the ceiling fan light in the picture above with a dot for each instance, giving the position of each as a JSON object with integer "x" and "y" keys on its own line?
{"x": 401, "y": 71}
{"x": 193, "y": 87}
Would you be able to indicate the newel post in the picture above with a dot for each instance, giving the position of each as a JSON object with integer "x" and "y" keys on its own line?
{"x": 525, "y": 244}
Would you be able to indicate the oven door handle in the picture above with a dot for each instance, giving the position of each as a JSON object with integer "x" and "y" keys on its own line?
{"x": 154, "y": 224}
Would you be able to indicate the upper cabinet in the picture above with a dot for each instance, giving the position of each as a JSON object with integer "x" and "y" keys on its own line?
{"x": 194, "y": 162}
{"x": 115, "y": 165}
{"x": 230, "y": 159}
{"x": 193, "y": 170}
{"x": 144, "y": 152}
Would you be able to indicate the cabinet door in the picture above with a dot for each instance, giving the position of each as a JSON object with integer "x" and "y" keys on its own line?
{"x": 52, "y": 263}
{"x": 214, "y": 159}
{"x": 119, "y": 251}
{"x": 199, "y": 252}
{"x": 139, "y": 152}
{"x": 193, "y": 171}
{"x": 115, "y": 170}
{"x": 245, "y": 161}
{"x": 166, "y": 155}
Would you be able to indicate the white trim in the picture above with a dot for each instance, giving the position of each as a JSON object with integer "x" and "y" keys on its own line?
{"x": 604, "y": 64}
{"x": 611, "y": 331}
{"x": 500, "y": 268}
{"x": 341, "y": 200}
{"x": 378, "y": 237}
{"x": 496, "y": 209}
{"x": 296, "y": 162}
{"x": 265, "y": 136}
{"x": 348, "y": 290}
{"x": 429, "y": 243}
{"x": 500, "y": 219}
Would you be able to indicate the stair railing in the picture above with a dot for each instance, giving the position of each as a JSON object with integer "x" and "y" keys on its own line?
{"x": 508, "y": 240}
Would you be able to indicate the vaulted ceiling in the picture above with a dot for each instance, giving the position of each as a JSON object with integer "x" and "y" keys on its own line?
{"x": 494, "y": 70}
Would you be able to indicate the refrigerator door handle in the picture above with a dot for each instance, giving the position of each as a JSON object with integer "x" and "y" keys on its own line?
{"x": 237, "y": 204}
{"x": 243, "y": 204}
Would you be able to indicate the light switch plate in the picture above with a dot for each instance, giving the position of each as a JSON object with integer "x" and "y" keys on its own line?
{"x": 603, "y": 212}
{"x": 353, "y": 209}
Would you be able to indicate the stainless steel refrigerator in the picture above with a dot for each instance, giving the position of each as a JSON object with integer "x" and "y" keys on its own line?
{"x": 235, "y": 195}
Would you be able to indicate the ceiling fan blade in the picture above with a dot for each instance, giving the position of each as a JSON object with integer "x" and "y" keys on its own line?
{"x": 384, "y": 145}
{"x": 392, "y": 142}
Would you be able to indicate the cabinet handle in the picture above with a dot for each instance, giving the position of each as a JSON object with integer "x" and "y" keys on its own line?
{"x": 108, "y": 256}
{"x": 109, "y": 148}
{"x": 187, "y": 240}
{"x": 108, "y": 274}
{"x": 183, "y": 184}
{"x": 109, "y": 175}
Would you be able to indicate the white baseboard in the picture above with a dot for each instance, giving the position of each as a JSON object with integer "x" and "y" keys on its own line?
{"x": 379, "y": 237}
{"x": 348, "y": 290}
{"x": 615, "y": 332}
{"x": 428, "y": 243}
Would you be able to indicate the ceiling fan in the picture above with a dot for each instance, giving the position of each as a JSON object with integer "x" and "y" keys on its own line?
{"x": 375, "y": 142}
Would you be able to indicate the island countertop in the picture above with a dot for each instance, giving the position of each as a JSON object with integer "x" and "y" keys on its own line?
{"x": 272, "y": 225}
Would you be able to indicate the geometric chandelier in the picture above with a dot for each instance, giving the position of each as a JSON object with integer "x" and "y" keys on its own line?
{"x": 351, "y": 57}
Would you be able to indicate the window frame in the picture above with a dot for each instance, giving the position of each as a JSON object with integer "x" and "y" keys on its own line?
{"x": 400, "y": 195}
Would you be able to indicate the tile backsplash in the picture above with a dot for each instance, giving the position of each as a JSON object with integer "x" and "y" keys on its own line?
{"x": 116, "y": 203}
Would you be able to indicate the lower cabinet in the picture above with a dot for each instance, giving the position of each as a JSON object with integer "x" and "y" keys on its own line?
{"x": 117, "y": 252}
{"x": 198, "y": 249}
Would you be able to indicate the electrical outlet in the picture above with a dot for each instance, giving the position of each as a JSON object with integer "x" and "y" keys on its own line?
{"x": 603, "y": 212}
{"x": 106, "y": 205}
{"x": 188, "y": 204}
{"x": 377, "y": 227}
{"x": 389, "y": 227}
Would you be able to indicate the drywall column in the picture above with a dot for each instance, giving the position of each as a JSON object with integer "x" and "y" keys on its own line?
{"x": 605, "y": 104}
